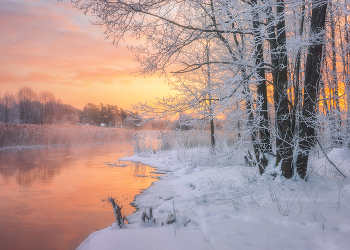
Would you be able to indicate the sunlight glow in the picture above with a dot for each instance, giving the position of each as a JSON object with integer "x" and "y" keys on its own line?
{"x": 49, "y": 45}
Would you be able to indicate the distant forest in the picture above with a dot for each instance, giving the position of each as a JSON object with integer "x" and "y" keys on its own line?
{"x": 28, "y": 107}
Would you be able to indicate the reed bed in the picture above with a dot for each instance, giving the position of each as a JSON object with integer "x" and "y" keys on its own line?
{"x": 195, "y": 138}
{"x": 26, "y": 135}
{"x": 174, "y": 140}
{"x": 192, "y": 147}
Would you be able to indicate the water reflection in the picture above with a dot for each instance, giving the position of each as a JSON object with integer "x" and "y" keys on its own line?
{"x": 31, "y": 165}
{"x": 51, "y": 198}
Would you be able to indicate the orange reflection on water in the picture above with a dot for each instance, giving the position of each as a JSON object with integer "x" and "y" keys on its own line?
{"x": 52, "y": 198}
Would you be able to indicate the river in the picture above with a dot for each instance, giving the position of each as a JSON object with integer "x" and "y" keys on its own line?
{"x": 52, "y": 198}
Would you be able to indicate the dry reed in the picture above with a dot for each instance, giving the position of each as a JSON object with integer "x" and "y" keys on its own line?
{"x": 26, "y": 135}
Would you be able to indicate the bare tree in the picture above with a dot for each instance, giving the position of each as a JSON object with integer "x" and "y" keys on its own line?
{"x": 8, "y": 102}
{"x": 312, "y": 80}
{"x": 29, "y": 106}
{"x": 47, "y": 100}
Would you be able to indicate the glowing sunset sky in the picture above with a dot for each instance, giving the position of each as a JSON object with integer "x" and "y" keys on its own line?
{"x": 48, "y": 45}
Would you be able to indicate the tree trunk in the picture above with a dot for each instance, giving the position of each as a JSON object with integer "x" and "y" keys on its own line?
{"x": 336, "y": 124}
{"x": 264, "y": 132}
{"x": 297, "y": 94}
{"x": 346, "y": 70}
{"x": 279, "y": 60}
{"x": 253, "y": 130}
{"x": 211, "y": 113}
{"x": 312, "y": 79}
{"x": 212, "y": 137}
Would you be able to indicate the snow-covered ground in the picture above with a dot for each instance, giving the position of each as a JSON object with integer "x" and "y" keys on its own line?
{"x": 229, "y": 206}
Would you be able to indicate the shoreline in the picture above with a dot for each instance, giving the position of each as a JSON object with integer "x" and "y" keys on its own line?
{"x": 217, "y": 208}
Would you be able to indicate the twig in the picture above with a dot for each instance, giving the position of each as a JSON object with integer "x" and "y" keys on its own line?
{"x": 332, "y": 163}
{"x": 117, "y": 212}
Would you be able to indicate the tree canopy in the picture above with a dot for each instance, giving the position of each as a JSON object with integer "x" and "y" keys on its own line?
{"x": 283, "y": 65}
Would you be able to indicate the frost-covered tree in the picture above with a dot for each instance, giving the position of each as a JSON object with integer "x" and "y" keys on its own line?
{"x": 267, "y": 55}
{"x": 313, "y": 78}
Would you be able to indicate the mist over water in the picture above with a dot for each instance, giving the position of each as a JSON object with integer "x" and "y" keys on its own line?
{"x": 52, "y": 198}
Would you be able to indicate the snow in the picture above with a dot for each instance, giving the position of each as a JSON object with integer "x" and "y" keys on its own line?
{"x": 232, "y": 207}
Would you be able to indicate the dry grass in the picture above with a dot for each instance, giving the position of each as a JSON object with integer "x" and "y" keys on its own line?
{"x": 196, "y": 138}
{"x": 145, "y": 142}
{"x": 24, "y": 135}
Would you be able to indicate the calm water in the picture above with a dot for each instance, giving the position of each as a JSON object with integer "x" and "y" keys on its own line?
{"x": 52, "y": 198}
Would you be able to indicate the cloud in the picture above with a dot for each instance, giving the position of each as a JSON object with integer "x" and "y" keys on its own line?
{"x": 48, "y": 45}
{"x": 41, "y": 41}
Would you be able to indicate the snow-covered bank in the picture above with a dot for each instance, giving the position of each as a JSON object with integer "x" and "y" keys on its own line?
{"x": 231, "y": 207}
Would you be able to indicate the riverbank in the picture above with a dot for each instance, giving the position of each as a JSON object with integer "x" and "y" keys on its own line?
{"x": 222, "y": 204}
{"x": 17, "y": 136}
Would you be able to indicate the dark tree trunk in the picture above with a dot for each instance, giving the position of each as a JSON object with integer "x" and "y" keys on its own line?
{"x": 346, "y": 71}
{"x": 211, "y": 113}
{"x": 212, "y": 137}
{"x": 336, "y": 124}
{"x": 253, "y": 131}
{"x": 279, "y": 60}
{"x": 312, "y": 80}
{"x": 264, "y": 132}
{"x": 297, "y": 94}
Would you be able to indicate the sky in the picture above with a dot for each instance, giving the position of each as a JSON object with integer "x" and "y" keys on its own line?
{"x": 49, "y": 45}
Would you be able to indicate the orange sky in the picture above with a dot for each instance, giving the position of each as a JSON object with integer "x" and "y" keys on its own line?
{"x": 48, "y": 45}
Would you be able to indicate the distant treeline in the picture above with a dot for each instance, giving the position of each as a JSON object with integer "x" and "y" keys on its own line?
{"x": 105, "y": 114}
{"x": 112, "y": 116}
{"x": 28, "y": 107}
